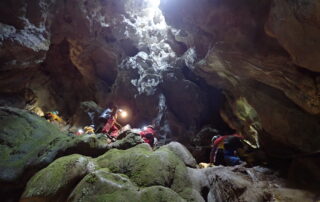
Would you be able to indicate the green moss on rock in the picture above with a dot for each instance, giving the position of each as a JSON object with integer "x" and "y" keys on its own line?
{"x": 136, "y": 174}
{"x": 159, "y": 193}
{"x": 24, "y": 137}
{"x": 102, "y": 185}
{"x": 59, "y": 177}
{"x": 147, "y": 168}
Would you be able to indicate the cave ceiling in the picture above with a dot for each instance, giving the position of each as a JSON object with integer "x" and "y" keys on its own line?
{"x": 175, "y": 63}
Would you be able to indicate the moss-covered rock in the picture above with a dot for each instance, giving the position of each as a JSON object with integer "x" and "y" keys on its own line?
{"x": 159, "y": 193}
{"x": 147, "y": 168}
{"x": 102, "y": 185}
{"x": 26, "y": 140}
{"x": 129, "y": 140}
{"x": 183, "y": 153}
{"x": 59, "y": 178}
{"x": 136, "y": 174}
{"x": 28, "y": 143}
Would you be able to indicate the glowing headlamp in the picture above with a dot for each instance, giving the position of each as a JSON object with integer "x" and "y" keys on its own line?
{"x": 123, "y": 114}
{"x": 80, "y": 131}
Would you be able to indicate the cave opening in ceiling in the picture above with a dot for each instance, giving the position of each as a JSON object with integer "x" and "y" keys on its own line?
{"x": 165, "y": 93}
{"x": 188, "y": 69}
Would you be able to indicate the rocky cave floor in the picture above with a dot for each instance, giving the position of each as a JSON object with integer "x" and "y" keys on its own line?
{"x": 39, "y": 162}
{"x": 190, "y": 67}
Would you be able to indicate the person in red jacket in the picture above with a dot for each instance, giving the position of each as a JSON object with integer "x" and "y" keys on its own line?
{"x": 111, "y": 128}
{"x": 223, "y": 148}
{"x": 148, "y": 134}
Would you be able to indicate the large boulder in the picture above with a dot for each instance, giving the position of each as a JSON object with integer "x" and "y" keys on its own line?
{"x": 28, "y": 143}
{"x": 135, "y": 174}
{"x": 245, "y": 184}
{"x": 140, "y": 174}
{"x": 54, "y": 182}
{"x": 183, "y": 153}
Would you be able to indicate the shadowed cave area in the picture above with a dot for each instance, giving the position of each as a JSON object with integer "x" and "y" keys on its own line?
{"x": 193, "y": 69}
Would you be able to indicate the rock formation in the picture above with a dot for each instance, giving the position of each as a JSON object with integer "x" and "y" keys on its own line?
{"x": 138, "y": 174}
{"x": 29, "y": 143}
{"x": 187, "y": 66}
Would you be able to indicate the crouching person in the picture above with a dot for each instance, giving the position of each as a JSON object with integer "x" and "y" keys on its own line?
{"x": 231, "y": 144}
{"x": 148, "y": 135}
{"x": 224, "y": 150}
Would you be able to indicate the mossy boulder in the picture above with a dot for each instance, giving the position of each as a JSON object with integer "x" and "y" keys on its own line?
{"x": 183, "y": 153}
{"x": 28, "y": 143}
{"x": 136, "y": 174}
{"x": 159, "y": 193}
{"x": 59, "y": 178}
{"x": 145, "y": 167}
{"x": 149, "y": 168}
{"x": 26, "y": 140}
{"x": 130, "y": 139}
{"x": 102, "y": 185}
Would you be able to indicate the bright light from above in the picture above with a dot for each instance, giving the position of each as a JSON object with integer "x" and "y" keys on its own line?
{"x": 153, "y": 3}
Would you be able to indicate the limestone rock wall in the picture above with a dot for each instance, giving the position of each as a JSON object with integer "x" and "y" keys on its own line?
{"x": 102, "y": 51}
{"x": 260, "y": 54}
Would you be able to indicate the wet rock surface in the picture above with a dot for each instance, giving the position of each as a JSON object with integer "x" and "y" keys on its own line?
{"x": 119, "y": 51}
{"x": 244, "y": 59}
{"x": 138, "y": 174}
{"x": 124, "y": 169}
{"x": 253, "y": 64}
{"x": 251, "y": 184}
{"x": 66, "y": 53}
{"x": 29, "y": 143}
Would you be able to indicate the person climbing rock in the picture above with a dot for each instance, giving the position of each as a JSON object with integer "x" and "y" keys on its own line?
{"x": 105, "y": 116}
{"x": 53, "y": 116}
{"x": 231, "y": 144}
{"x": 216, "y": 154}
{"x": 224, "y": 148}
{"x": 148, "y": 135}
{"x": 112, "y": 127}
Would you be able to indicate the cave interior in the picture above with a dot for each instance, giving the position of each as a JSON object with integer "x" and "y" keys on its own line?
{"x": 191, "y": 68}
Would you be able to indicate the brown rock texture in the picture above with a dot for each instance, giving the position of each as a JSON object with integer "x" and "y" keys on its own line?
{"x": 296, "y": 25}
{"x": 260, "y": 58}
{"x": 272, "y": 86}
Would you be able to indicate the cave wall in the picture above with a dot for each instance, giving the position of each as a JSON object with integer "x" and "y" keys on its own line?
{"x": 261, "y": 56}
{"x": 67, "y": 52}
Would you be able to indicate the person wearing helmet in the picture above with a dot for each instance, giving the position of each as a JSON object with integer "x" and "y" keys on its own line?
{"x": 53, "y": 116}
{"x": 111, "y": 128}
{"x": 216, "y": 155}
{"x": 148, "y": 135}
{"x": 231, "y": 144}
{"x": 224, "y": 148}
{"x": 105, "y": 116}
{"x": 89, "y": 130}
